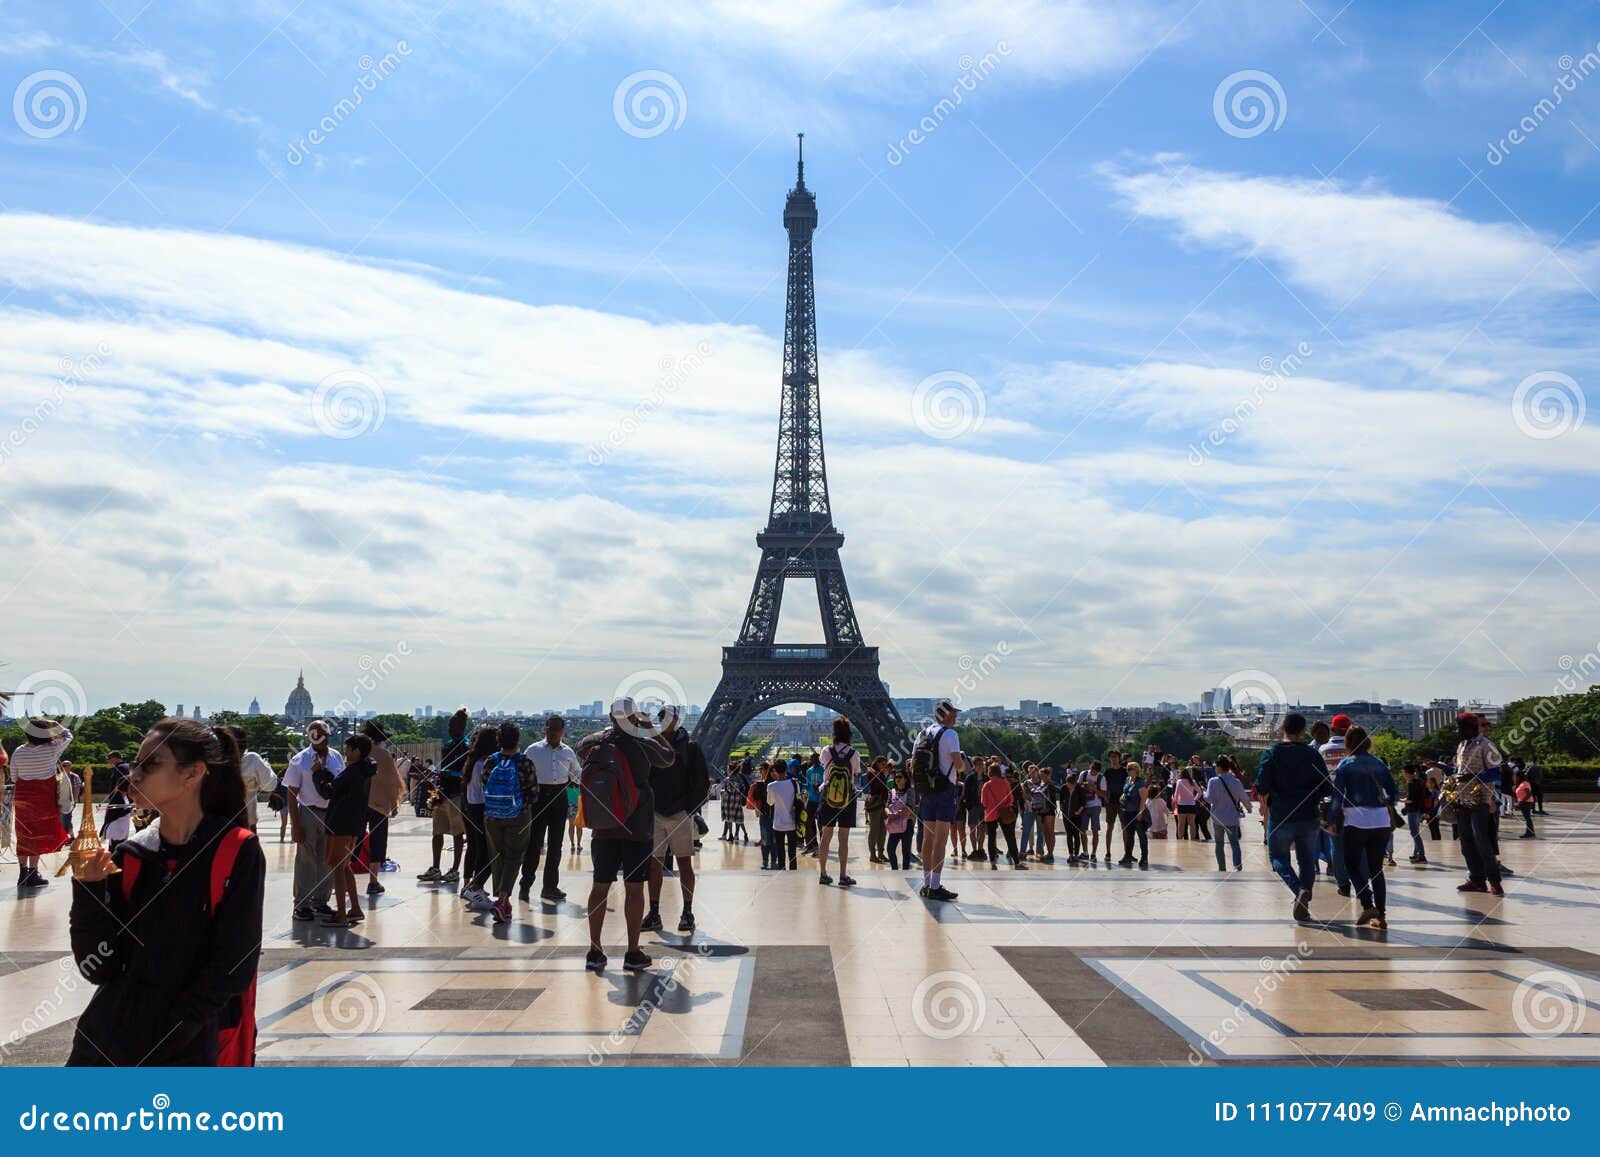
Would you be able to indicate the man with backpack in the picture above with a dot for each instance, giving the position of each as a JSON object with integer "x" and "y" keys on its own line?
{"x": 836, "y": 800}
{"x": 619, "y": 808}
{"x": 509, "y": 785}
{"x": 936, "y": 766}
{"x": 678, "y": 790}
{"x": 1292, "y": 780}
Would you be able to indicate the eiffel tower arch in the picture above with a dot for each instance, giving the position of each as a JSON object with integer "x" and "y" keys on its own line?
{"x": 800, "y": 541}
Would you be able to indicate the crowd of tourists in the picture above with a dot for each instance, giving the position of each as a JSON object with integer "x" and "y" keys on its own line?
{"x": 173, "y": 990}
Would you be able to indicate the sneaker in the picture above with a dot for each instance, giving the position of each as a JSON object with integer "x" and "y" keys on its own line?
{"x": 595, "y": 960}
{"x": 374, "y": 888}
{"x": 304, "y": 914}
{"x": 1368, "y": 915}
{"x": 1302, "y": 907}
{"x": 994, "y": 865}
{"x": 1496, "y": 890}
{"x": 651, "y": 922}
{"x": 1344, "y": 890}
{"x": 925, "y": 892}
{"x": 450, "y": 877}
{"x": 1123, "y": 863}
{"x": 431, "y": 876}
{"x": 1144, "y": 865}
{"x": 1380, "y": 921}
{"x": 1525, "y": 836}
{"x": 824, "y": 879}
{"x": 1472, "y": 886}
{"x": 976, "y": 856}
{"x": 635, "y": 961}
{"x": 554, "y": 895}
{"x": 686, "y": 922}
{"x": 502, "y": 911}
{"x": 1019, "y": 865}
{"x": 847, "y": 881}
{"x": 941, "y": 893}
{"x": 389, "y": 866}
{"x": 1049, "y": 859}
{"x": 324, "y": 909}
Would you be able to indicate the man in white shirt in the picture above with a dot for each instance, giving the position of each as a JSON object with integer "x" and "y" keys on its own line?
{"x": 308, "y": 822}
{"x": 556, "y": 766}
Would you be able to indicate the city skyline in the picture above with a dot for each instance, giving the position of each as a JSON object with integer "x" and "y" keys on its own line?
{"x": 1162, "y": 344}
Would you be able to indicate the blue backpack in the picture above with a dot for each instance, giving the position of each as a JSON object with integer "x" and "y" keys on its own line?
{"x": 502, "y": 788}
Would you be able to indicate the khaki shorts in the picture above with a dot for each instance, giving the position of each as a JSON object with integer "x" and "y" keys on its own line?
{"x": 447, "y": 818}
{"x": 674, "y": 835}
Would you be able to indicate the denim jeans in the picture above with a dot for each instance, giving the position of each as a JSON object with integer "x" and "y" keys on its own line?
{"x": 1415, "y": 821}
{"x": 1301, "y": 837}
{"x": 1476, "y": 829}
{"x": 1341, "y": 868}
{"x": 1231, "y": 831}
{"x": 1364, "y": 851}
{"x": 767, "y": 857}
{"x": 1029, "y": 822}
{"x": 1133, "y": 829}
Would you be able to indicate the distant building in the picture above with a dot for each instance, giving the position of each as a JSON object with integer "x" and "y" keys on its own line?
{"x": 1440, "y": 713}
{"x": 197, "y": 713}
{"x": 299, "y": 708}
{"x": 179, "y": 711}
{"x": 1028, "y": 707}
{"x": 255, "y": 706}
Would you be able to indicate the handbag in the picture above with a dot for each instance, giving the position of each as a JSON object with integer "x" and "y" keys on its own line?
{"x": 700, "y": 825}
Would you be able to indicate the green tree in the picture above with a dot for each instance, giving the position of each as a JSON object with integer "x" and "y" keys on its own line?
{"x": 142, "y": 716}
{"x": 1173, "y": 736}
{"x": 1392, "y": 747}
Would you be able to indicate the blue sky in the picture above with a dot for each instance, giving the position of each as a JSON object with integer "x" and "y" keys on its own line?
{"x": 1294, "y": 403}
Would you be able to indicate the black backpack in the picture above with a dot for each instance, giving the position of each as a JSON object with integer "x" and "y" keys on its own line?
{"x": 925, "y": 773}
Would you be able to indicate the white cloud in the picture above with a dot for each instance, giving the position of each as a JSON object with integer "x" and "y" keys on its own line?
{"x": 1347, "y": 242}
{"x": 198, "y": 540}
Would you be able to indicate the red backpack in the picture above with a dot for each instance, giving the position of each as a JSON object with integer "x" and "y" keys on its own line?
{"x": 236, "y": 1044}
{"x": 608, "y": 791}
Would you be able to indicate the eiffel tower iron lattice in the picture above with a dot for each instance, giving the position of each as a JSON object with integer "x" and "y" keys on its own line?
{"x": 800, "y": 541}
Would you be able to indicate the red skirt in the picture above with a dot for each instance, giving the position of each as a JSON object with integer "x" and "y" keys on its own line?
{"x": 38, "y": 823}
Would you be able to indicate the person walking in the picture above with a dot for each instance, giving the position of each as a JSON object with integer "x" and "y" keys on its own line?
{"x": 1000, "y": 812}
{"x": 346, "y": 815}
{"x": 942, "y": 758}
{"x": 1112, "y": 782}
{"x": 836, "y": 806}
{"x": 1477, "y": 770}
{"x": 1418, "y": 807}
{"x": 679, "y": 789}
{"x": 36, "y": 814}
{"x": 1524, "y": 796}
{"x": 1134, "y": 808}
{"x": 1229, "y": 802}
{"x": 784, "y": 792}
{"x": 509, "y": 784}
{"x": 1292, "y": 779}
{"x": 172, "y": 986}
{"x": 258, "y": 777}
{"x": 897, "y": 821}
{"x": 384, "y": 792}
{"x": 1364, "y": 795}
{"x": 448, "y": 808}
{"x": 875, "y": 802}
{"x": 557, "y": 768}
{"x": 308, "y": 821}
{"x": 478, "y": 865}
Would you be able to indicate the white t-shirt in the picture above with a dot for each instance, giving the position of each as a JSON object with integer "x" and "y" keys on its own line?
{"x": 298, "y": 775}
{"x": 949, "y": 748}
{"x": 780, "y": 794}
{"x": 1157, "y": 809}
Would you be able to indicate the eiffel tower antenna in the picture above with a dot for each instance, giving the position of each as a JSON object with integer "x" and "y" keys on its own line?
{"x": 800, "y": 541}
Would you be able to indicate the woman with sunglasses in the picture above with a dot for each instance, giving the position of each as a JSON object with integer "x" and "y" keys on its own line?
{"x": 168, "y": 927}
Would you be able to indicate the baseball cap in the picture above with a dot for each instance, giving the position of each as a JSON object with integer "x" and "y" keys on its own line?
{"x": 944, "y": 707}
{"x": 1340, "y": 722}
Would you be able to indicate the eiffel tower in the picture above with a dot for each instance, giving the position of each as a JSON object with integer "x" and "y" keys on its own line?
{"x": 800, "y": 542}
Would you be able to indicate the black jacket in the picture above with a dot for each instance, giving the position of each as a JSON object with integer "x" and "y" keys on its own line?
{"x": 347, "y": 798}
{"x": 684, "y": 785}
{"x": 167, "y": 972}
{"x": 1293, "y": 777}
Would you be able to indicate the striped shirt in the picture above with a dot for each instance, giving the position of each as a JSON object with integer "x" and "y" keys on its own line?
{"x": 38, "y": 760}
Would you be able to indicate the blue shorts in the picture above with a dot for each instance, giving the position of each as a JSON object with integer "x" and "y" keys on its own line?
{"x": 939, "y": 807}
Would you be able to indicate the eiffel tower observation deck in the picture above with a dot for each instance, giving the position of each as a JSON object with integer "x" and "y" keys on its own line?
{"x": 800, "y": 541}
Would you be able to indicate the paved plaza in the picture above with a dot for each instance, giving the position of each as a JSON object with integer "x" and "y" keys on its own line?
{"x": 1057, "y": 965}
